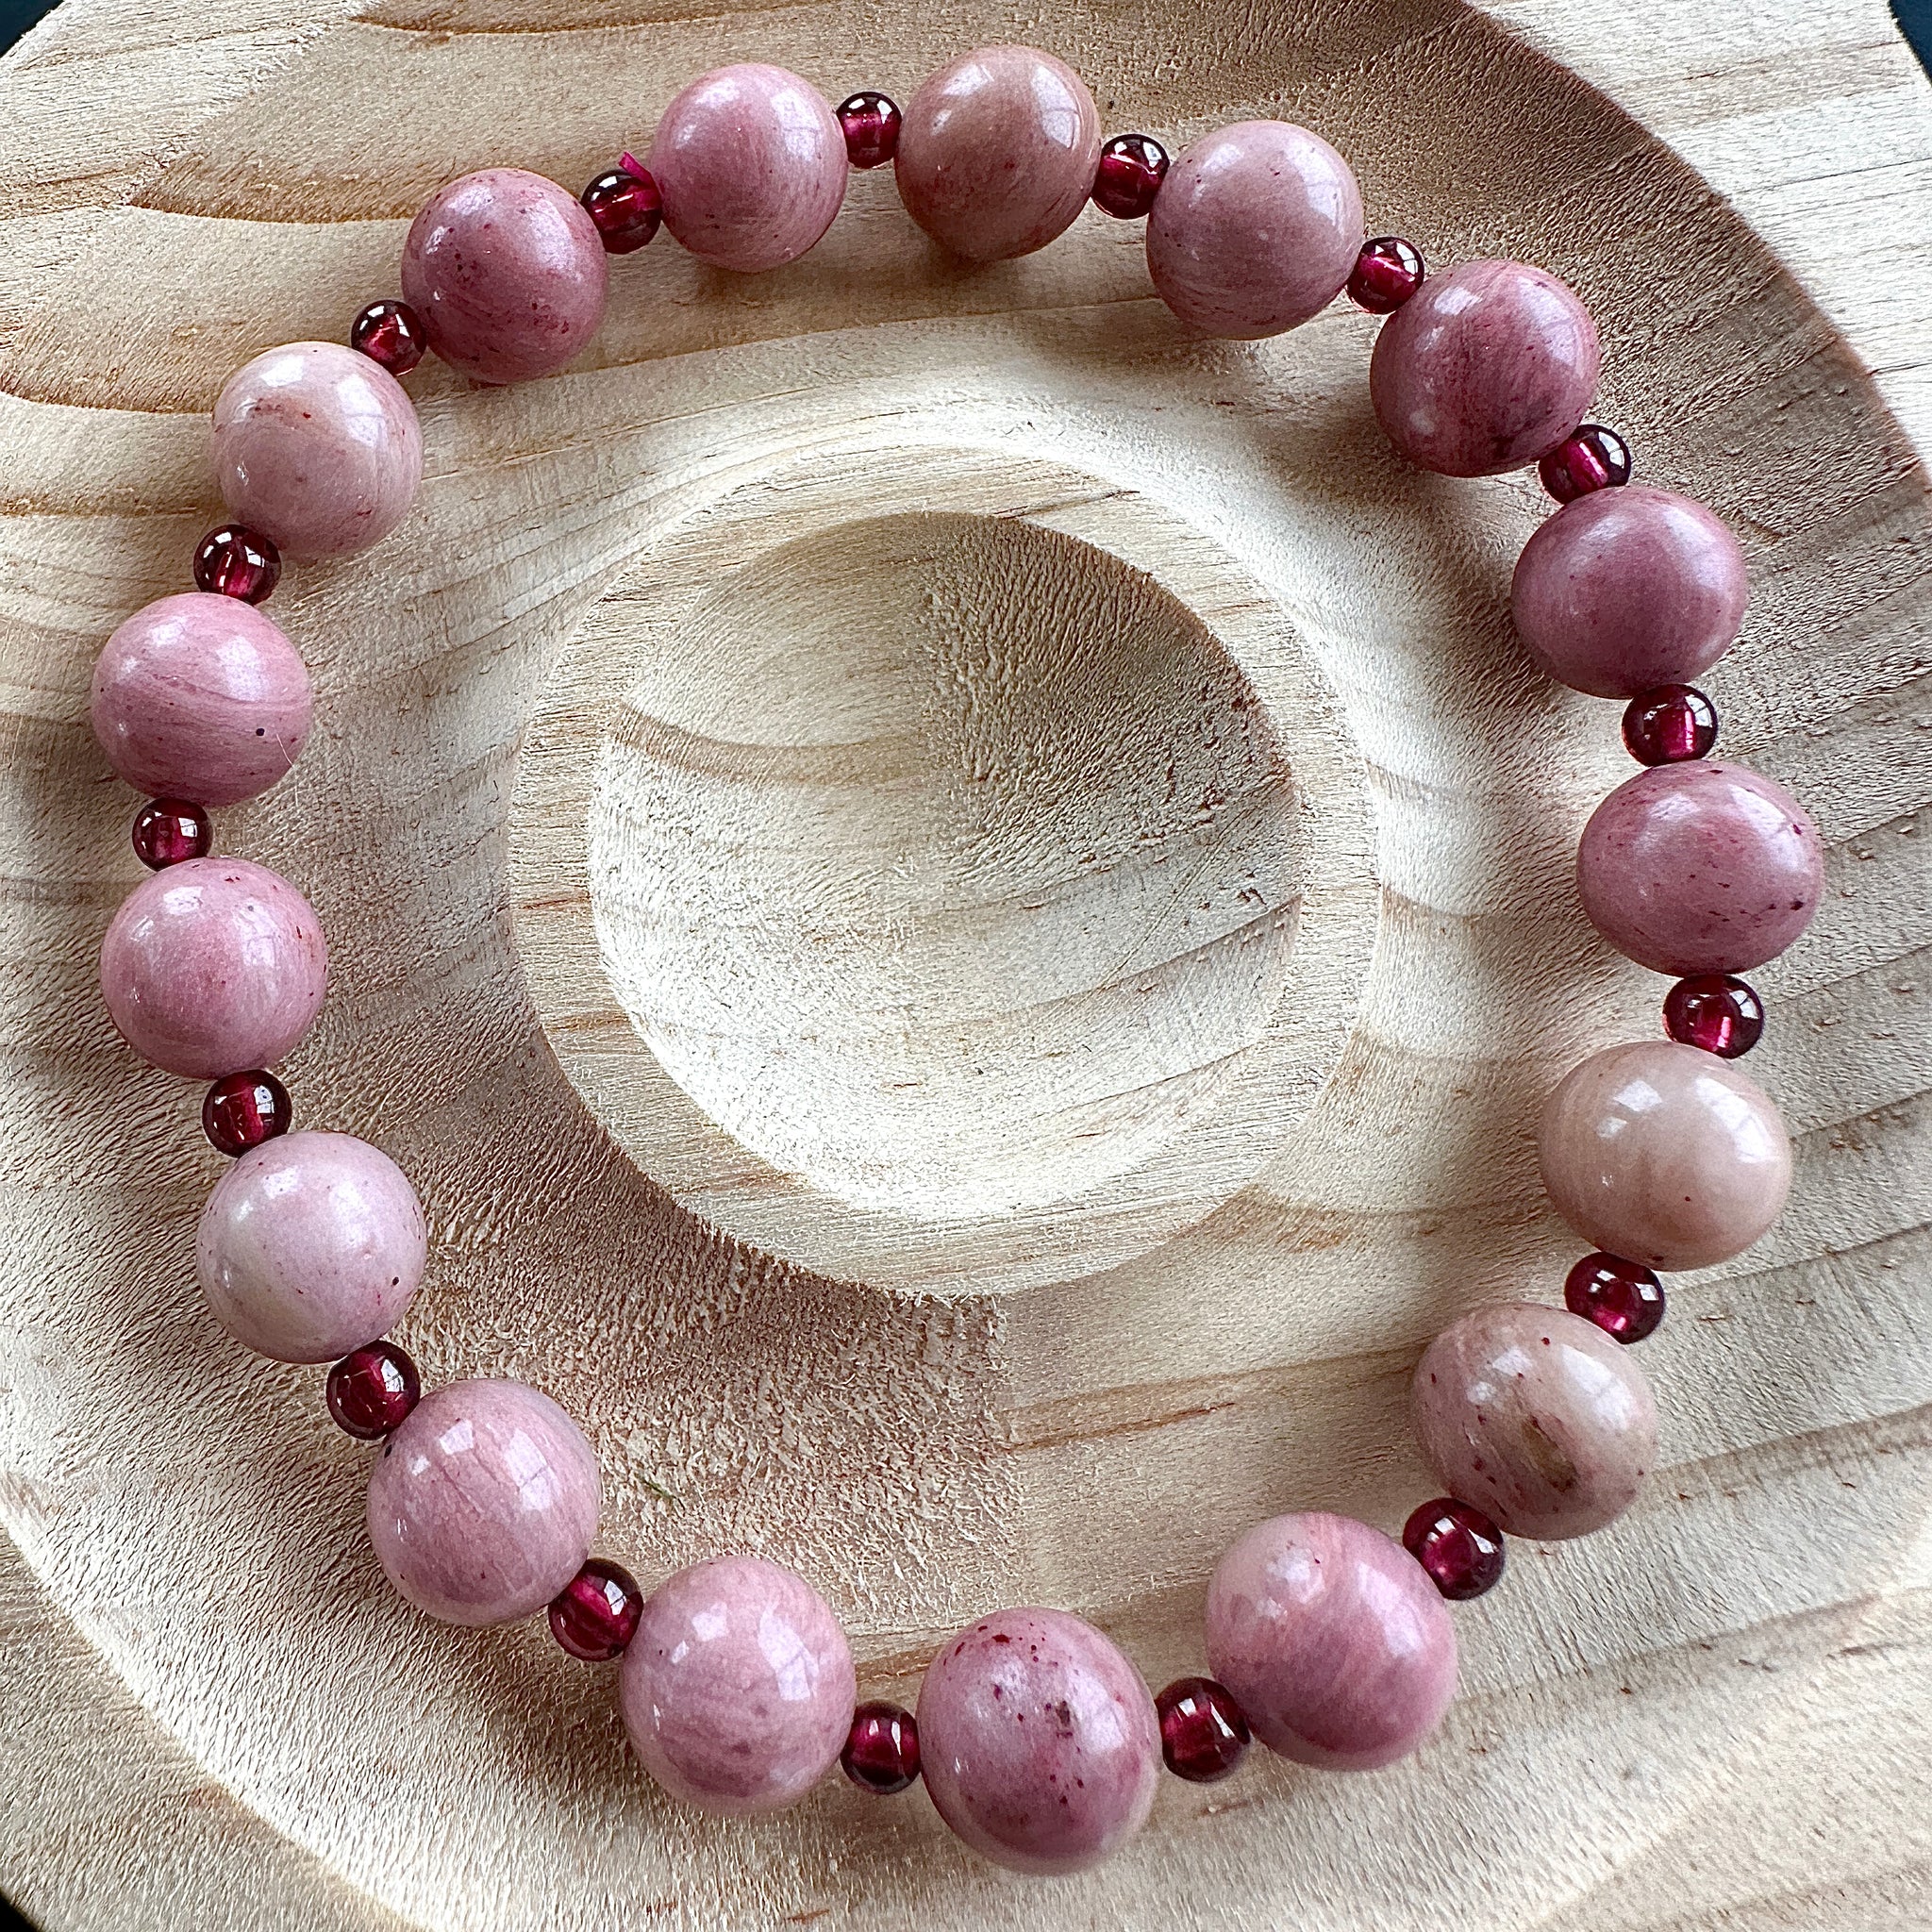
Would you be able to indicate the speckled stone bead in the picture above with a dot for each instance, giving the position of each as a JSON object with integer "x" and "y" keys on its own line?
{"x": 737, "y": 1687}
{"x": 1333, "y": 1640}
{"x": 201, "y": 698}
{"x": 1256, "y": 228}
{"x": 1039, "y": 1741}
{"x": 1484, "y": 369}
{"x": 998, "y": 152}
{"x": 1665, "y": 1155}
{"x": 1624, "y": 589}
{"x": 212, "y": 966}
{"x": 508, "y": 274}
{"x": 1537, "y": 1418}
{"x": 1700, "y": 867}
{"x": 317, "y": 447}
{"x": 311, "y": 1245}
{"x": 483, "y": 1505}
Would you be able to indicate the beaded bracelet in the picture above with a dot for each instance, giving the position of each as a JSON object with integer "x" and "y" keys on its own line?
{"x": 1329, "y": 1640}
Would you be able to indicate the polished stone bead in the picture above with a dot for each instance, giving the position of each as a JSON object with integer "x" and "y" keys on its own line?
{"x": 390, "y": 333}
{"x": 1624, "y": 1298}
{"x": 869, "y": 122}
{"x": 1204, "y": 1736}
{"x": 595, "y": 1615}
{"x": 370, "y": 1390}
{"x": 1596, "y": 458}
{"x": 1132, "y": 167}
{"x": 1387, "y": 273}
{"x": 881, "y": 1752}
{"x": 232, "y": 561}
{"x": 1670, "y": 724}
{"x": 168, "y": 831}
{"x": 1459, "y": 1547}
{"x": 1716, "y": 1012}
{"x": 626, "y": 207}
{"x": 242, "y": 1110}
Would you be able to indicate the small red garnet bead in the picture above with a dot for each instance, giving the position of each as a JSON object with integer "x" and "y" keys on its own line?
{"x": 390, "y": 333}
{"x": 167, "y": 830}
{"x": 870, "y": 121}
{"x": 1202, "y": 1733}
{"x": 1591, "y": 458}
{"x": 1717, "y": 1011}
{"x": 1132, "y": 167}
{"x": 1458, "y": 1546}
{"x": 881, "y": 1752}
{"x": 626, "y": 206}
{"x": 1624, "y": 1298}
{"x": 1669, "y": 724}
{"x": 236, "y": 562}
{"x": 595, "y": 1614}
{"x": 373, "y": 1391}
{"x": 241, "y": 1110}
{"x": 1386, "y": 273}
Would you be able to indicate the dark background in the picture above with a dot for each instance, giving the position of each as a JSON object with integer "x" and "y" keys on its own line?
{"x": 16, "y": 16}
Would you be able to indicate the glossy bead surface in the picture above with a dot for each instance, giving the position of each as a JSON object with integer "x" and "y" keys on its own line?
{"x": 311, "y": 1245}
{"x": 1594, "y": 459}
{"x": 1626, "y": 590}
{"x": 391, "y": 334}
{"x": 1702, "y": 867}
{"x": 1257, "y": 228}
{"x": 1665, "y": 1155}
{"x": 750, "y": 163}
{"x": 170, "y": 831}
{"x": 507, "y": 273}
{"x": 1484, "y": 369}
{"x": 738, "y": 1689}
{"x": 483, "y": 1504}
{"x": 370, "y": 1390}
{"x": 233, "y": 561}
{"x": 1624, "y": 1298}
{"x": 1132, "y": 167}
{"x": 1716, "y": 1012}
{"x": 214, "y": 964}
{"x": 997, "y": 152}
{"x": 1387, "y": 273}
{"x": 318, "y": 447}
{"x": 1203, "y": 1733}
{"x": 242, "y": 1110}
{"x": 595, "y": 1615}
{"x": 1537, "y": 1418}
{"x": 869, "y": 122}
{"x": 626, "y": 206}
{"x": 1670, "y": 724}
{"x": 881, "y": 1752}
{"x": 1459, "y": 1547}
{"x": 199, "y": 697}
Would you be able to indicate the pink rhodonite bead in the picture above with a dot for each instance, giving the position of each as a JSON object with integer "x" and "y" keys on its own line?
{"x": 1594, "y": 458}
{"x": 1670, "y": 724}
{"x": 1716, "y": 1012}
{"x": 871, "y": 123}
{"x": 1386, "y": 273}
{"x": 626, "y": 206}
{"x": 1624, "y": 1298}
{"x": 231, "y": 562}
{"x": 244, "y": 1109}
{"x": 1203, "y": 1733}
{"x": 881, "y": 1752}
{"x": 168, "y": 831}
{"x": 1132, "y": 167}
{"x": 1458, "y": 1546}
{"x": 595, "y": 1614}
{"x": 372, "y": 1391}
{"x": 391, "y": 334}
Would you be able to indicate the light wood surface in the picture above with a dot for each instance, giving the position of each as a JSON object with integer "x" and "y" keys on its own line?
{"x": 1105, "y": 783}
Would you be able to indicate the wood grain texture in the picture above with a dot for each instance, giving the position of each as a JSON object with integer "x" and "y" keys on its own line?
{"x": 841, "y": 481}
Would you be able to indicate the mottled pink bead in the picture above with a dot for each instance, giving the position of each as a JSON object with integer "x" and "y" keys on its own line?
{"x": 200, "y": 697}
{"x": 1256, "y": 228}
{"x": 750, "y": 163}
{"x": 1039, "y": 1740}
{"x": 1537, "y": 1418}
{"x": 212, "y": 966}
{"x": 737, "y": 1687}
{"x": 1624, "y": 589}
{"x": 1484, "y": 369}
{"x": 1664, "y": 1153}
{"x": 483, "y": 1505}
{"x": 1700, "y": 867}
{"x": 1333, "y": 1640}
{"x": 507, "y": 273}
{"x": 318, "y": 447}
{"x": 311, "y": 1245}
{"x": 998, "y": 152}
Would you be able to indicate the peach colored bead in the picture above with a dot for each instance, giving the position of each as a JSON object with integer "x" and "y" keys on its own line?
{"x": 1256, "y": 228}
{"x": 1664, "y": 1153}
{"x": 318, "y": 448}
{"x": 997, "y": 152}
{"x": 750, "y": 163}
{"x": 1537, "y": 1417}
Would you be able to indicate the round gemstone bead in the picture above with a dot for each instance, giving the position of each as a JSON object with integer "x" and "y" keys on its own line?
{"x": 1458, "y": 1546}
{"x": 1716, "y": 1012}
{"x": 881, "y": 1752}
{"x": 1386, "y": 273}
{"x": 1624, "y": 1298}
{"x": 870, "y": 121}
{"x": 245, "y": 1109}
{"x": 370, "y": 1390}
{"x": 390, "y": 333}
{"x": 168, "y": 830}
{"x": 1132, "y": 167}
{"x": 1594, "y": 458}
{"x": 235, "y": 562}
{"x": 1202, "y": 1733}
{"x": 626, "y": 206}
{"x": 1669, "y": 724}
{"x": 595, "y": 1614}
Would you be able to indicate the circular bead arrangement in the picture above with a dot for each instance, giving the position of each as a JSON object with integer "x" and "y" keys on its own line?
{"x": 1329, "y": 1641}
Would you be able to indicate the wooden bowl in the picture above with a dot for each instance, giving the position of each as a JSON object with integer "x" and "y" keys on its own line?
{"x": 962, "y": 908}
